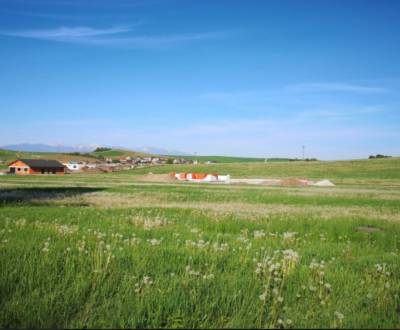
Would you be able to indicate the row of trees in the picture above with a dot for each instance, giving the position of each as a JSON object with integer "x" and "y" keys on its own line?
{"x": 378, "y": 156}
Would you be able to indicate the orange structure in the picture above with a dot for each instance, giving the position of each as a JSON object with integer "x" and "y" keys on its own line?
{"x": 183, "y": 176}
{"x": 36, "y": 166}
{"x": 199, "y": 176}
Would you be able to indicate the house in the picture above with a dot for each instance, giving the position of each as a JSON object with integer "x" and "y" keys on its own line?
{"x": 36, "y": 166}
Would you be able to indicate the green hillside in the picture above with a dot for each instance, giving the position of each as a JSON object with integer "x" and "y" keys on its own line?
{"x": 229, "y": 159}
{"x": 8, "y": 156}
{"x": 220, "y": 159}
{"x": 118, "y": 153}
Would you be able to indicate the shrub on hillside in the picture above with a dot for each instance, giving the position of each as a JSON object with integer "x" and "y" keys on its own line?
{"x": 100, "y": 149}
{"x": 378, "y": 156}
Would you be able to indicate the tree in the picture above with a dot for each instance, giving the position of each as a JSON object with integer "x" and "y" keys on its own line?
{"x": 100, "y": 149}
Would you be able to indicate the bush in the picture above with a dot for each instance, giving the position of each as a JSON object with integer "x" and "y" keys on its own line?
{"x": 100, "y": 149}
{"x": 378, "y": 156}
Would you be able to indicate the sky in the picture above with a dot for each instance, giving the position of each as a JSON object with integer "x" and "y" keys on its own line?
{"x": 241, "y": 78}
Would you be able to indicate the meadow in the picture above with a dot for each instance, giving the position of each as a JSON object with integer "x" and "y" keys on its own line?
{"x": 112, "y": 250}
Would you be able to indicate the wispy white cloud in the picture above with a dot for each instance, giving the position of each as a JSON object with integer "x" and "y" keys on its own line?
{"x": 67, "y": 33}
{"x": 304, "y": 88}
{"x": 114, "y": 36}
{"x": 155, "y": 41}
{"x": 46, "y": 15}
{"x": 334, "y": 87}
{"x": 82, "y": 3}
{"x": 342, "y": 112}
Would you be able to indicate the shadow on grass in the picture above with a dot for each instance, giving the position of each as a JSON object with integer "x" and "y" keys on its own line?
{"x": 42, "y": 196}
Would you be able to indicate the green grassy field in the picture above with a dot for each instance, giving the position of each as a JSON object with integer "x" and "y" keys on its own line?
{"x": 112, "y": 250}
{"x": 227, "y": 159}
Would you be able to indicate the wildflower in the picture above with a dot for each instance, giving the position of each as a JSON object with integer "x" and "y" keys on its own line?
{"x": 259, "y": 234}
{"x": 289, "y": 236}
{"x": 208, "y": 277}
{"x": 339, "y": 316}
{"x": 147, "y": 280}
{"x": 46, "y": 247}
{"x": 154, "y": 241}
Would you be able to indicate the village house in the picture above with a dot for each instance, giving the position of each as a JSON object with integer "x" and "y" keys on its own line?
{"x": 36, "y": 166}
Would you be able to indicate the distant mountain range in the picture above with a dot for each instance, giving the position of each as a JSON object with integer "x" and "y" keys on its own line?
{"x": 38, "y": 147}
{"x": 30, "y": 147}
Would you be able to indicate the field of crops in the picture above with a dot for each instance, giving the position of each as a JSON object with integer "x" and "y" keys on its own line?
{"x": 112, "y": 251}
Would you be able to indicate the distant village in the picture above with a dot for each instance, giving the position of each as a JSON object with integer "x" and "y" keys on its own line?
{"x": 98, "y": 165}
{"x": 124, "y": 163}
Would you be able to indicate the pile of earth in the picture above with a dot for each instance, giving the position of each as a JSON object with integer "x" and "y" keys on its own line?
{"x": 150, "y": 177}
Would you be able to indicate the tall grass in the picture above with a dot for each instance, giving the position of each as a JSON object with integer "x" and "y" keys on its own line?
{"x": 106, "y": 251}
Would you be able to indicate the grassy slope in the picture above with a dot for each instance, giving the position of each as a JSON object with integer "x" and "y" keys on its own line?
{"x": 10, "y": 155}
{"x": 99, "y": 243}
{"x": 384, "y": 172}
{"x": 220, "y": 159}
{"x": 118, "y": 153}
{"x": 357, "y": 171}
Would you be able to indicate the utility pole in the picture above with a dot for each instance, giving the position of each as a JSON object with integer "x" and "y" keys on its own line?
{"x": 303, "y": 147}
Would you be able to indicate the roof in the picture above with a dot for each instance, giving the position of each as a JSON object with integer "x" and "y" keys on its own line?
{"x": 42, "y": 163}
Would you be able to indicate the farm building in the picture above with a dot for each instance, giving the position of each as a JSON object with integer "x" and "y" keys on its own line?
{"x": 35, "y": 166}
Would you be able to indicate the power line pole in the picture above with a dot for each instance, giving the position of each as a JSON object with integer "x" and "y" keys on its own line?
{"x": 303, "y": 147}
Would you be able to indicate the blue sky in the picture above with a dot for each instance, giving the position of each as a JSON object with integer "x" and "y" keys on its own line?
{"x": 246, "y": 78}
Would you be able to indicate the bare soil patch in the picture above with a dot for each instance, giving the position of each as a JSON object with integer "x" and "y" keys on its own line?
{"x": 150, "y": 177}
{"x": 368, "y": 229}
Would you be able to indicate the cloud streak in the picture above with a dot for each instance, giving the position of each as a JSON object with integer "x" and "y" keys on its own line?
{"x": 305, "y": 88}
{"x": 114, "y": 36}
{"x": 334, "y": 87}
{"x": 66, "y": 33}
